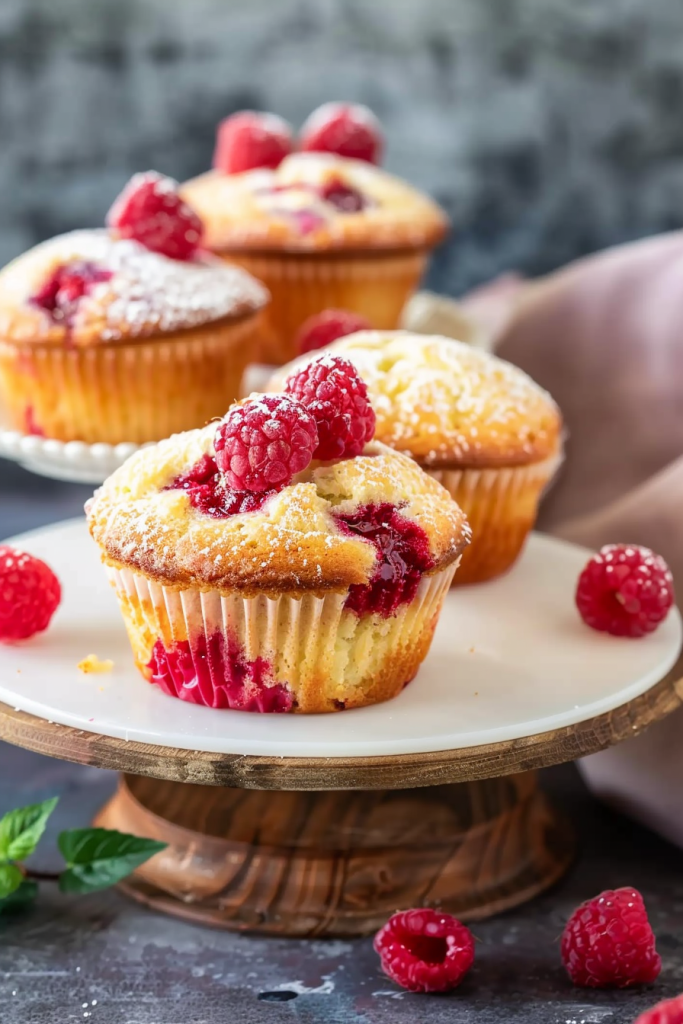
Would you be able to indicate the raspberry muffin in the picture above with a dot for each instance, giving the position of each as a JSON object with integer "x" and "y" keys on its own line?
{"x": 321, "y": 231}
{"x": 125, "y": 334}
{"x": 475, "y": 423}
{"x": 280, "y": 560}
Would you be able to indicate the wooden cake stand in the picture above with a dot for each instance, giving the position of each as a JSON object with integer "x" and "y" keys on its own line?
{"x": 261, "y": 838}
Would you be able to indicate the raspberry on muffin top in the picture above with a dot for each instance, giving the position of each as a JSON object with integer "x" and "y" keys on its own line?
{"x": 314, "y": 201}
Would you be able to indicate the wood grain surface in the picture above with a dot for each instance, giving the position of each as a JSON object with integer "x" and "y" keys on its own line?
{"x": 318, "y": 773}
{"x": 339, "y": 863}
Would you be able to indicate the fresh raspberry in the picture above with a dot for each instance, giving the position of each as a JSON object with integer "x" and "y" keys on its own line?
{"x": 61, "y": 293}
{"x": 324, "y": 328}
{"x": 333, "y": 391}
{"x": 345, "y": 198}
{"x": 251, "y": 139}
{"x": 668, "y": 1012}
{"x": 425, "y": 950}
{"x": 29, "y": 594}
{"x": 262, "y": 444}
{"x": 608, "y": 942}
{"x": 151, "y": 211}
{"x": 347, "y": 129}
{"x": 625, "y": 590}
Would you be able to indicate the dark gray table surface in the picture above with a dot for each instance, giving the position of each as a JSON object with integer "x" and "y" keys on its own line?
{"x": 102, "y": 959}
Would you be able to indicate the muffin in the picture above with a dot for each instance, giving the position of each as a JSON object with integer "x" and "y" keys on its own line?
{"x": 475, "y": 423}
{"x": 256, "y": 576}
{"x": 320, "y": 231}
{"x": 104, "y": 339}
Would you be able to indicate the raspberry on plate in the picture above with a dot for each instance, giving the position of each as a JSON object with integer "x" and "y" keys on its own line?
{"x": 322, "y": 329}
{"x": 347, "y": 129}
{"x": 151, "y": 211}
{"x": 333, "y": 391}
{"x": 425, "y": 950}
{"x": 625, "y": 590}
{"x": 668, "y": 1012}
{"x": 608, "y": 942}
{"x": 251, "y": 139}
{"x": 29, "y": 594}
{"x": 265, "y": 442}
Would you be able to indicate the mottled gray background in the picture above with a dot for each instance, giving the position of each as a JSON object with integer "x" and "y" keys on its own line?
{"x": 548, "y": 128}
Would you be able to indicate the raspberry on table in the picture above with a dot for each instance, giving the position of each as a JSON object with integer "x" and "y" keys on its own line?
{"x": 29, "y": 594}
{"x": 425, "y": 950}
{"x": 251, "y": 139}
{"x": 608, "y": 942}
{"x": 322, "y": 329}
{"x": 670, "y": 1011}
{"x": 150, "y": 211}
{"x": 333, "y": 391}
{"x": 625, "y": 590}
{"x": 263, "y": 443}
{"x": 347, "y": 129}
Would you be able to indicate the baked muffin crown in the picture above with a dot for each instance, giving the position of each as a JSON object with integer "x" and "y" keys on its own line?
{"x": 296, "y": 207}
{"x": 294, "y": 542}
{"x": 130, "y": 292}
{"x": 447, "y": 404}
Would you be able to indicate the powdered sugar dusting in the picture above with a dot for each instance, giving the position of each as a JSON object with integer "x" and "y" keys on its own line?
{"x": 146, "y": 293}
{"x": 440, "y": 399}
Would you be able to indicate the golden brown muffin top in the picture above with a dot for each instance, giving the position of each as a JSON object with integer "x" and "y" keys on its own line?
{"x": 287, "y": 209}
{"x": 445, "y": 403}
{"x": 293, "y": 543}
{"x": 130, "y": 292}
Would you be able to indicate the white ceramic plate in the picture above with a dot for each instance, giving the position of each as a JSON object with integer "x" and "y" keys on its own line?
{"x": 509, "y": 659}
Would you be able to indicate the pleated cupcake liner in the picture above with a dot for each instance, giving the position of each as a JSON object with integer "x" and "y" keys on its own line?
{"x": 261, "y": 653}
{"x": 501, "y": 506}
{"x": 118, "y": 392}
{"x": 374, "y": 285}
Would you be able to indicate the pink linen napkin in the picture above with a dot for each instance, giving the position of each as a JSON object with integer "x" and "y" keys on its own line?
{"x": 605, "y": 337}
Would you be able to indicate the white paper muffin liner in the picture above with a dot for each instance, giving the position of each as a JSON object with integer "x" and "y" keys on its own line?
{"x": 290, "y": 652}
{"x": 501, "y": 507}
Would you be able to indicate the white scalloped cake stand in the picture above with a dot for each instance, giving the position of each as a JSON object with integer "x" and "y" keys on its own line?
{"x": 513, "y": 681}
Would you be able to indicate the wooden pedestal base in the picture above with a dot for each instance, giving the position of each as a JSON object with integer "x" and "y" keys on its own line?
{"x": 339, "y": 863}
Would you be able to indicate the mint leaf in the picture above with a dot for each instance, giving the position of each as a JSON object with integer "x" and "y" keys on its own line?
{"x": 24, "y": 894}
{"x": 97, "y": 858}
{"x": 20, "y": 830}
{"x": 10, "y": 880}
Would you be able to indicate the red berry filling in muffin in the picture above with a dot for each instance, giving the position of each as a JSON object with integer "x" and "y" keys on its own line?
{"x": 403, "y": 557}
{"x": 216, "y": 673}
{"x": 207, "y": 492}
{"x": 65, "y": 287}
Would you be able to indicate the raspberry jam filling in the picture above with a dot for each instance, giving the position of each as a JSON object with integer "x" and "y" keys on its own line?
{"x": 214, "y": 672}
{"x": 403, "y": 556}
{"x": 66, "y": 286}
{"x": 343, "y": 197}
{"x": 207, "y": 492}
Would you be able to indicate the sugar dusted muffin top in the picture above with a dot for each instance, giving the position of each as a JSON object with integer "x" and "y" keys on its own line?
{"x": 144, "y": 517}
{"x": 314, "y": 201}
{"x": 445, "y": 403}
{"x": 87, "y": 287}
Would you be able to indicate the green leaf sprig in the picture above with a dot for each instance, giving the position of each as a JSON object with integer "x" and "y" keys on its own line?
{"x": 96, "y": 858}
